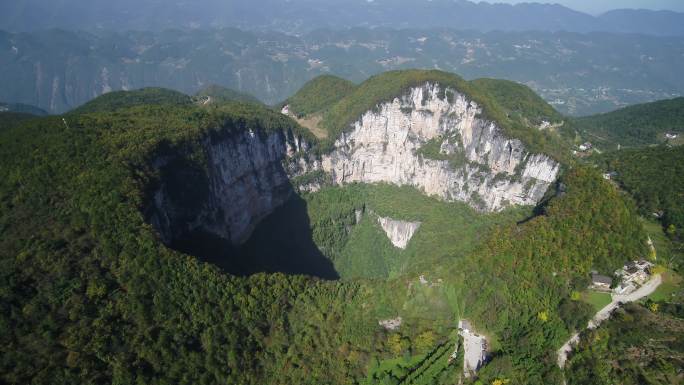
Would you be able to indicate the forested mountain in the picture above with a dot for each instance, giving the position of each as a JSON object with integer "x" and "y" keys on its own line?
{"x": 579, "y": 74}
{"x": 217, "y": 94}
{"x": 113, "y": 101}
{"x": 633, "y": 126}
{"x": 640, "y": 345}
{"x": 109, "y": 216}
{"x": 22, "y": 109}
{"x": 306, "y": 15}
{"x": 14, "y": 113}
{"x": 318, "y": 94}
{"x": 653, "y": 176}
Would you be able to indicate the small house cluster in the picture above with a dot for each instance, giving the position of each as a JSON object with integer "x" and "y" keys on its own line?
{"x": 585, "y": 146}
{"x": 423, "y": 280}
{"x": 391, "y": 324}
{"x": 632, "y": 275}
{"x": 610, "y": 175}
{"x": 600, "y": 282}
{"x": 583, "y": 150}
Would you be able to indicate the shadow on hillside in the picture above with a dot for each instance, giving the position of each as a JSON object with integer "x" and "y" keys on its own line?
{"x": 282, "y": 242}
{"x": 557, "y": 190}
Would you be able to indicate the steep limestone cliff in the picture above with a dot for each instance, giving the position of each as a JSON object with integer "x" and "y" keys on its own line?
{"x": 437, "y": 140}
{"x": 429, "y": 138}
{"x": 244, "y": 178}
{"x": 398, "y": 232}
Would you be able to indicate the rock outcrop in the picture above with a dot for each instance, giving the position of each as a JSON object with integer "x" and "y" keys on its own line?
{"x": 398, "y": 232}
{"x": 429, "y": 138}
{"x": 471, "y": 158}
{"x": 246, "y": 176}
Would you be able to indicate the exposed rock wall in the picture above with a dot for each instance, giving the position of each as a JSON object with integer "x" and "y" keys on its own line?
{"x": 245, "y": 175}
{"x": 245, "y": 178}
{"x": 398, "y": 232}
{"x": 476, "y": 163}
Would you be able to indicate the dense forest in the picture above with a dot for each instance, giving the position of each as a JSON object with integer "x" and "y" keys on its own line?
{"x": 89, "y": 294}
{"x": 22, "y": 109}
{"x": 122, "y": 99}
{"x": 218, "y": 94}
{"x": 634, "y": 126}
{"x": 653, "y": 176}
{"x": 641, "y": 344}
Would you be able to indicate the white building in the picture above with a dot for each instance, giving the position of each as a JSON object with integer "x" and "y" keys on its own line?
{"x": 609, "y": 175}
{"x": 600, "y": 282}
{"x": 636, "y": 272}
{"x": 624, "y": 288}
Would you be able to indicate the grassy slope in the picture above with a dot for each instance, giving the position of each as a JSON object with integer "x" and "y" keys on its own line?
{"x": 448, "y": 231}
{"x": 670, "y": 289}
{"x": 637, "y": 125}
{"x": 669, "y": 255}
{"x": 596, "y": 299}
{"x": 517, "y": 99}
{"x": 319, "y": 94}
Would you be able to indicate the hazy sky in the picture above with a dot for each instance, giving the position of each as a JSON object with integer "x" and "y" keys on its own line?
{"x": 599, "y": 6}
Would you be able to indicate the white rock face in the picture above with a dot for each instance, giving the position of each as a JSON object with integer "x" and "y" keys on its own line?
{"x": 495, "y": 171}
{"x": 398, "y": 232}
{"x": 248, "y": 174}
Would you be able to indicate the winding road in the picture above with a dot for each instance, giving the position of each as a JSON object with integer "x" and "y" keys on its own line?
{"x": 603, "y": 314}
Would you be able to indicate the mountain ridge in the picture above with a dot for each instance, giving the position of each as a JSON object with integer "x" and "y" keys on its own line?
{"x": 583, "y": 74}
{"x": 636, "y": 125}
{"x": 301, "y": 16}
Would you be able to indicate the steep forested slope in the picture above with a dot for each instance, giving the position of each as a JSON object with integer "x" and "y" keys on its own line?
{"x": 90, "y": 294}
{"x": 637, "y": 125}
{"x": 654, "y": 177}
{"x": 639, "y": 345}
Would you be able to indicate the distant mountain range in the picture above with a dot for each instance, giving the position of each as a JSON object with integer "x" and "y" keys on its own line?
{"x": 21, "y": 109}
{"x": 579, "y": 74}
{"x": 305, "y": 15}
